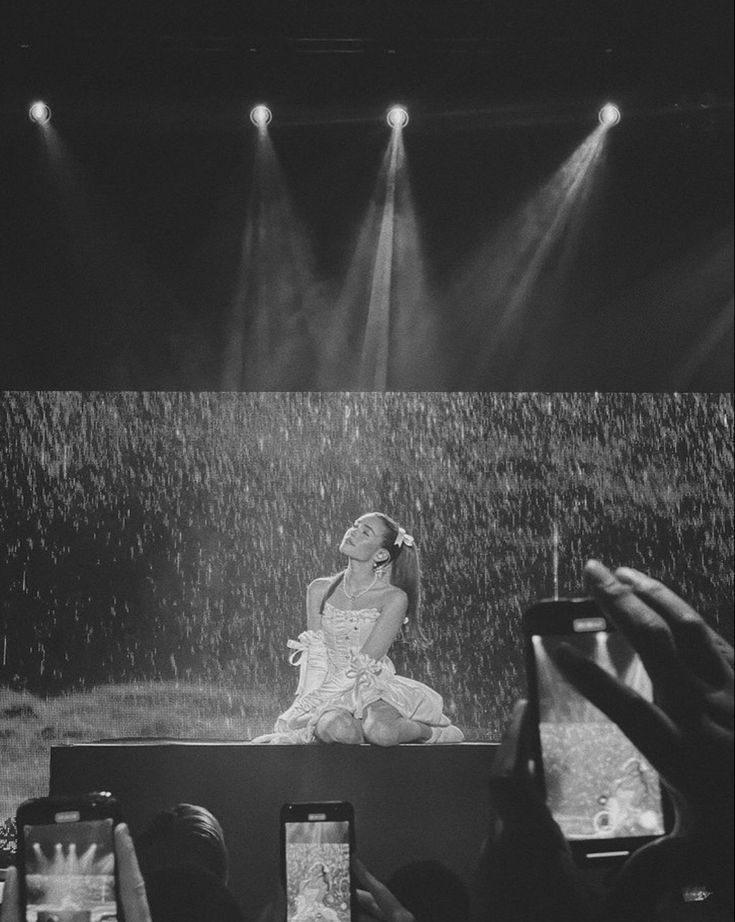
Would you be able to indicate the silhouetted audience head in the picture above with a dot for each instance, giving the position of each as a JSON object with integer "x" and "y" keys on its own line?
{"x": 190, "y": 893}
{"x": 186, "y": 834}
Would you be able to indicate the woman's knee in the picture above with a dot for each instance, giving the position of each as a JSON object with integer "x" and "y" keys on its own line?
{"x": 381, "y": 730}
{"x": 338, "y": 727}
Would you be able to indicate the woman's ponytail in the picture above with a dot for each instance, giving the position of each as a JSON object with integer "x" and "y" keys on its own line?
{"x": 406, "y": 575}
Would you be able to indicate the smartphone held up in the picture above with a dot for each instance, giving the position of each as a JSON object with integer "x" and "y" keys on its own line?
{"x": 603, "y": 793}
{"x": 317, "y": 841}
{"x": 66, "y": 859}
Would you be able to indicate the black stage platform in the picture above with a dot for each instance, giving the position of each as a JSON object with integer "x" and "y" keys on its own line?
{"x": 411, "y": 802}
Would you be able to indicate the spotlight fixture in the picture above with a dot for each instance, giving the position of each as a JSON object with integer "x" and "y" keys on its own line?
{"x": 39, "y": 113}
{"x": 609, "y": 115}
{"x": 260, "y": 116}
{"x": 397, "y": 117}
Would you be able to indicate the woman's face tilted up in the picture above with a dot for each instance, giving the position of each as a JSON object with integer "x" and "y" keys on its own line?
{"x": 364, "y": 539}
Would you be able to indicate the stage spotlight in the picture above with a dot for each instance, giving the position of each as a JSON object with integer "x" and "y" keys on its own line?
{"x": 397, "y": 117}
{"x": 260, "y": 116}
{"x": 39, "y": 113}
{"x": 609, "y": 115}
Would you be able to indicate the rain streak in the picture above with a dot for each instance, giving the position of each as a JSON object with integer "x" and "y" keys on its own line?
{"x": 165, "y": 540}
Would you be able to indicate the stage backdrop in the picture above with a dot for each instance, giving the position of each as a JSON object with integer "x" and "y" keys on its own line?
{"x": 156, "y": 547}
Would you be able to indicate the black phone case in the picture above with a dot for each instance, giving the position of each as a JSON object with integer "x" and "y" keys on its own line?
{"x": 41, "y": 811}
{"x": 333, "y": 810}
{"x": 556, "y": 617}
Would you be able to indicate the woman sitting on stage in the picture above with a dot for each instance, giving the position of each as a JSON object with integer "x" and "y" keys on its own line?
{"x": 348, "y": 690}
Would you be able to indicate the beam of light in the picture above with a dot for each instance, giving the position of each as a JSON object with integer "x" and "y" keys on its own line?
{"x": 719, "y": 331}
{"x": 679, "y": 322}
{"x": 39, "y": 113}
{"x": 374, "y": 355}
{"x": 609, "y": 115}
{"x": 341, "y": 329}
{"x": 65, "y": 879}
{"x": 414, "y": 344}
{"x": 397, "y": 117}
{"x": 260, "y": 116}
{"x": 108, "y": 269}
{"x": 267, "y": 341}
{"x": 381, "y": 331}
{"x": 548, "y": 219}
{"x": 517, "y": 279}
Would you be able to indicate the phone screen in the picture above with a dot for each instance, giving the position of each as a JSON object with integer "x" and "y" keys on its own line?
{"x": 598, "y": 785}
{"x": 70, "y": 871}
{"x": 318, "y": 869}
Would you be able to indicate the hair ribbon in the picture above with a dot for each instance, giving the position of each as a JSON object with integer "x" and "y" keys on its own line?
{"x": 403, "y": 538}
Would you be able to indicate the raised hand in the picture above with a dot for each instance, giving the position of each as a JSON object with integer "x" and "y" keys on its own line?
{"x": 526, "y": 870}
{"x": 375, "y": 899}
{"x": 686, "y": 733}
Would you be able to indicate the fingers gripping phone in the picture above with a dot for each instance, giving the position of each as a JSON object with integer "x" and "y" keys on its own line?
{"x": 66, "y": 859}
{"x": 603, "y": 793}
{"x": 317, "y": 841}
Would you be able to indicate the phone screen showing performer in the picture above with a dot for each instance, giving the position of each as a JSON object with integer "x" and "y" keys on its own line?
{"x": 70, "y": 871}
{"x": 316, "y": 859}
{"x": 599, "y": 787}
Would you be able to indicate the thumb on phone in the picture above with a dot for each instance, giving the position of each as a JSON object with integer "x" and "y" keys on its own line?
{"x": 11, "y": 898}
{"x": 132, "y": 886}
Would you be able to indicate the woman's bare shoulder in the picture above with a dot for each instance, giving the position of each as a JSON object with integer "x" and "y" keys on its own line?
{"x": 394, "y": 596}
{"x": 318, "y": 586}
{"x": 315, "y": 592}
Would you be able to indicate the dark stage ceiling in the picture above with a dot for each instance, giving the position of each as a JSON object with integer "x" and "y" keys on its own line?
{"x": 322, "y": 51}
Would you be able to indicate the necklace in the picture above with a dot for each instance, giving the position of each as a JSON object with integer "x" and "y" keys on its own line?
{"x": 355, "y": 595}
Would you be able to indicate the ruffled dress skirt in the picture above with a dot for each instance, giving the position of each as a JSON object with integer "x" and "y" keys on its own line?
{"x": 334, "y": 675}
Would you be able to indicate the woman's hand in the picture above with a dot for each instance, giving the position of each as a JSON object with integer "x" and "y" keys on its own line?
{"x": 132, "y": 888}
